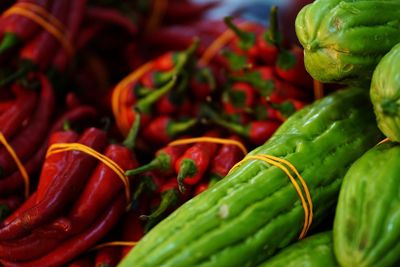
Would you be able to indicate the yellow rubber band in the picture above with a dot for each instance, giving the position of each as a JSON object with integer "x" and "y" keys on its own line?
{"x": 318, "y": 89}
{"x": 20, "y": 166}
{"x": 220, "y": 42}
{"x": 53, "y": 30}
{"x": 160, "y": 6}
{"x": 210, "y": 140}
{"x": 118, "y": 97}
{"x": 115, "y": 243}
{"x": 306, "y": 202}
{"x": 62, "y": 147}
{"x": 43, "y": 13}
{"x": 384, "y": 141}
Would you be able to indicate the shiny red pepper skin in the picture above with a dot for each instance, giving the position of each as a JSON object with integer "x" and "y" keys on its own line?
{"x": 260, "y": 131}
{"x": 225, "y": 158}
{"x": 191, "y": 166}
{"x": 79, "y": 243}
{"x": 31, "y": 136}
{"x": 41, "y": 50}
{"x": 101, "y": 188}
{"x": 108, "y": 257}
{"x": 11, "y": 120}
{"x": 200, "y": 188}
{"x": 64, "y": 187}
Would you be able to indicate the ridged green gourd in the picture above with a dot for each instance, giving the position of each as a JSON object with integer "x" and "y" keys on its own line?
{"x": 254, "y": 211}
{"x": 344, "y": 40}
{"x": 385, "y": 94}
{"x": 366, "y": 230}
{"x": 313, "y": 251}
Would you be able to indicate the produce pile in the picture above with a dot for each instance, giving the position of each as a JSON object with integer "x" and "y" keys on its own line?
{"x": 114, "y": 113}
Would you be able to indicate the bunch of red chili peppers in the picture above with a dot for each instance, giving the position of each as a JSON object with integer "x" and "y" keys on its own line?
{"x": 191, "y": 96}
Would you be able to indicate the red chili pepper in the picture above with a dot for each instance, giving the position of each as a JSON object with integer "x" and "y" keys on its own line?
{"x": 169, "y": 197}
{"x": 107, "y": 257}
{"x": 225, "y": 158}
{"x": 79, "y": 243}
{"x": 28, "y": 203}
{"x": 164, "y": 161}
{"x": 5, "y": 105}
{"x": 64, "y": 187}
{"x": 191, "y": 166}
{"x": 290, "y": 67}
{"x": 246, "y": 39}
{"x": 202, "y": 84}
{"x": 31, "y": 136}
{"x": 41, "y": 50}
{"x": 80, "y": 114}
{"x": 163, "y": 129}
{"x": 17, "y": 28}
{"x": 83, "y": 261}
{"x": 180, "y": 11}
{"x": 132, "y": 230}
{"x": 111, "y": 16}
{"x": 11, "y": 120}
{"x": 239, "y": 97}
{"x": 200, "y": 188}
{"x": 75, "y": 17}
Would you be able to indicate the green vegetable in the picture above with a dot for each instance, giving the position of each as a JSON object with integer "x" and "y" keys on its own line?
{"x": 367, "y": 223}
{"x": 254, "y": 211}
{"x": 385, "y": 94}
{"x": 314, "y": 251}
{"x": 344, "y": 40}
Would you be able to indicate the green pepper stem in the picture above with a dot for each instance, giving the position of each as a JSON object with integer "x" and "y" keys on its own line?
{"x": 152, "y": 165}
{"x": 273, "y": 33}
{"x": 66, "y": 125}
{"x": 18, "y": 74}
{"x": 175, "y": 128}
{"x": 144, "y": 104}
{"x": 168, "y": 198}
{"x": 9, "y": 41}
{"x": 187, "y": 168}
{"x": 129, "y": 141}
{"x": 247, "y": 39}
{"x": 217, "y": 119}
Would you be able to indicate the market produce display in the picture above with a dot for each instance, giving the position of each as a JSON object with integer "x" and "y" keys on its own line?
{"x": 149, "y": 133}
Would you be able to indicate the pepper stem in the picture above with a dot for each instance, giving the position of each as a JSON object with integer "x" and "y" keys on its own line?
{"x": 129, "y": 141}
{"x": 18, "y": 74}
{"x": 168, "y": 198}
{"x": 247, "y": 39}
{"x": 175, "y": 128}
{"x": 187, "y": 168}
{"x": 146, "y": 102}
{"x": 152, "y": 165}
{"x": 272, "y": 35}
{"x": 9, "y": 41}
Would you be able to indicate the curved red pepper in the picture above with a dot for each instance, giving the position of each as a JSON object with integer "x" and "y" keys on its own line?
{"x": 79, "y": 243}
{"x": 64, "y": 188}
{"x": 108, "y": 257}
{"x": 191, "y": 166}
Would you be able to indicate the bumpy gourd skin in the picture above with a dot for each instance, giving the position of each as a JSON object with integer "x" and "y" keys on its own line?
{"x": 385, "y": 94}
{"x": 313, "y": 251}
{"x": 343, "y": 40}
{"x": 367, "y": 223}
{"x": 255, "y": 210}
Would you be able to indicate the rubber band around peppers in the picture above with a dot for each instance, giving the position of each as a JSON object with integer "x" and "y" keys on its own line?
{"x": 306, "y": 201}
{"x": 115, "y": 243}
{"x": 210, "y": 140}
{"x": 121, "y": 91}
{"x": 50, "y": 23}
{"x": 62, "y": 147}
{"x": 20, "y": 166}
{"x": 220, "y": 42}
{"x": 157, "y": 14}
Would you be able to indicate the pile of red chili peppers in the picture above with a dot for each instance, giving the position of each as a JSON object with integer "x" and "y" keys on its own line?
{"x": 114, "y": 113}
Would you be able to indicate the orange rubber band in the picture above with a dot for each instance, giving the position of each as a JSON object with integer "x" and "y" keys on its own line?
{"x": 20, "y": 166}
{"x": 115, "y": 243}
{"x": 306, "y": 201}
{"x": 62, "y": 147}
{"x": 120, "y": 93}
{"x": 160, "y": 6}
{"x": 220, "y": 42}
{"x": 210, "y": 140}
{"x": 46, "y": 24}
